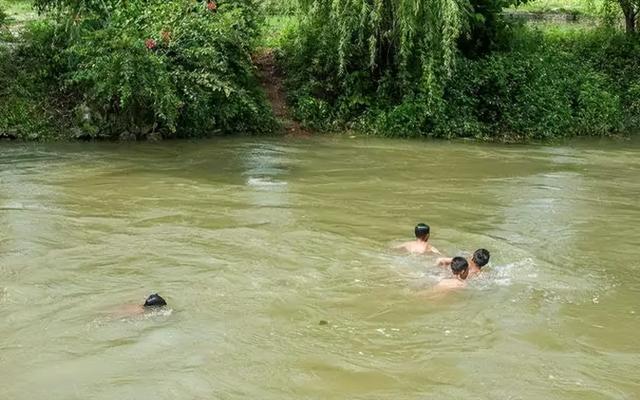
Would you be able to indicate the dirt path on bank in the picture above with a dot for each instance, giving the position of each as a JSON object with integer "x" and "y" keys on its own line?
{"x": 272, "y": 83}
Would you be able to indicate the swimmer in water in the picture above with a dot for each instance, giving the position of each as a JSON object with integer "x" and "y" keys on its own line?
{"x": 460, "y": 270}
{"x": 421, "y": 245}
{"x": 152, "y": 303}
{"x": 479, "y": 259}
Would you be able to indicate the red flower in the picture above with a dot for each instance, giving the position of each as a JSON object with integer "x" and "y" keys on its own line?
{"x": 212, "y": 6}
{"x": 150, "y": 43}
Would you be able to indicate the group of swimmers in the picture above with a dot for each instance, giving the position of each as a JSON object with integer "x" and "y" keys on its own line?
{"x": 461, "y": 268}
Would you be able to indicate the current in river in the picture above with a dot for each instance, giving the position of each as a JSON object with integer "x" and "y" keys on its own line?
{"x": 253, "y": 242}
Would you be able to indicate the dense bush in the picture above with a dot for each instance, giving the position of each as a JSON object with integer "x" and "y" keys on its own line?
{"x": 543, "y": 88}
{"x": 188, "y": 69}
{"x": 31, "y": 104}
{"x": 618, "y": 57}
{"x": 542, "y": 85}
{"x": 279, "y": 7}
{"x": 486, "y": 28}
{"x": 138, "y": 68}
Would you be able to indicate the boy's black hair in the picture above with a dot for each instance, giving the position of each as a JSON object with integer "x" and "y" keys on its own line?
{"x": 459, "y": 265}
{"x": 422, "y": 230}
{"x": 155, "y": 300}
{"x": 481, "y": 257}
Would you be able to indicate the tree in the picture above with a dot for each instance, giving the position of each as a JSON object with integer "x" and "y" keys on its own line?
{"x": 485, "y": 26}
{"x": 631, "y": 11}
{"x": 409, "y": 40}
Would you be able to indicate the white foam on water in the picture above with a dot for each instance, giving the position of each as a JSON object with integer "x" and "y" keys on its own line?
{"x": 265, "y": 182}
{"x": 161, "y": 312}
{"x": 417, "y": 272}
{"x": 507, "y": 274}
{"x": 146, "y": 315}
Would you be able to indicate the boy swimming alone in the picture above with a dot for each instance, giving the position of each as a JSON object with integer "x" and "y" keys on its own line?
{"x": 421, "y": 245}
{"x": 153, "y": 303}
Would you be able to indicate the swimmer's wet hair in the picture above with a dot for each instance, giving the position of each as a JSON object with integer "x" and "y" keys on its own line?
{"x": 481, "y": 257}
{"x": 422, "y": 230}
{"x": 155, "y": 300}
{"x": 459, "y": 265}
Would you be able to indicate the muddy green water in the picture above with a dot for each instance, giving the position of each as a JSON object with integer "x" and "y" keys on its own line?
{"x": 254, "y": 241}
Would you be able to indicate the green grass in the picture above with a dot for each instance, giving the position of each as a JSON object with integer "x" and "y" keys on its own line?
{"x": 583, "y": 7}
{"x": 273, "y": 29}
{"x": 18, "y": 11}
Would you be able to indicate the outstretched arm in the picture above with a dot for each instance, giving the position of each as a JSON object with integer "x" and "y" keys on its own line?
{"x": 435, "y": 251}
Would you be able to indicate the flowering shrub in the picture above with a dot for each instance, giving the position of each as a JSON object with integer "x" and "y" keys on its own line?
{"x": 169, "y": 67}
{"x": 150, "y": 43}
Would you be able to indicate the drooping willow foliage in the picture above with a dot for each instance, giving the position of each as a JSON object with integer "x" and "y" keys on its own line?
{"x": 407, "y": 40}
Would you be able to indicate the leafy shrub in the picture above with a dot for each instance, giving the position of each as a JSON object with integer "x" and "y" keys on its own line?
{"x": 534, "y": 92}
{"x": 176, "y": 68}
{"x": 31, "y": 105}
{"x": 279, "y": 7}
{"x": 541, "y": 85}
{"x": 617, "y": 56}
{"x": 486, "y": 29}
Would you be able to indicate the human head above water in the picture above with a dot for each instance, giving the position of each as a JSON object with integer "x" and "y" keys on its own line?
{"x": 422, "y": 231}
{"x": 460, "y": 267}
{"x": 155, "y": 300}
{"x": 481, "y": 257}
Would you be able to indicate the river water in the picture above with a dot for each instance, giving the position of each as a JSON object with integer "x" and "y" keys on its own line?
{"x": 253, "y": 242}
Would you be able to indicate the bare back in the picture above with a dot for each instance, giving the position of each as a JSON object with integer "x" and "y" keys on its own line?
{"x": 418, "y": 247}
{"x": 450, "y": 284}
{"x": 127, "y": 310}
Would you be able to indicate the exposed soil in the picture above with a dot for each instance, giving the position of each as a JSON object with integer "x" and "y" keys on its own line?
{"x": 272, "y": 84}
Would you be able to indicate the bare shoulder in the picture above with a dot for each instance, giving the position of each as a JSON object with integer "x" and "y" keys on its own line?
{"x": 448, "y": 284}
{"x": 411, "y": 247}
{"x": 439, "y": 291}
{"x": 127, "y": 310}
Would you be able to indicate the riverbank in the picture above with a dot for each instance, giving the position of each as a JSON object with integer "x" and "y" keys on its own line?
{"x": 542, "y": 82}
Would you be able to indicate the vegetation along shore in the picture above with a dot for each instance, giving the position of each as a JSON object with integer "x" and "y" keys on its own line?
{"x": 499, "y": 70}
